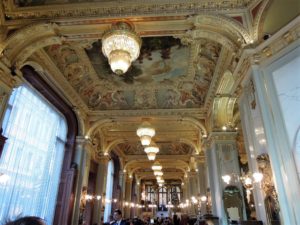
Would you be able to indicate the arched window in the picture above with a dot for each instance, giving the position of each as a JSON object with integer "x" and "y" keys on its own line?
{"x": 32, "y": 157}
{"x": 109, "y": 190}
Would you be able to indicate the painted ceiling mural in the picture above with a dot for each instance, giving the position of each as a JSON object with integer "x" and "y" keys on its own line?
{"x": 174, "y": 148}
{"x": 24, "y": 3}
{"x": 27, "y": 3}
{"x": 164, "y": 76}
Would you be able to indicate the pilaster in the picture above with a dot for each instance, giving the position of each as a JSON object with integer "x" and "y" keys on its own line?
{"x": 100, "y": 189}
{"x": 82, "y": 159}
{"x": 222, "y": 159}
{"x": 254, "y": 137}
{"x": 128, "y": 191}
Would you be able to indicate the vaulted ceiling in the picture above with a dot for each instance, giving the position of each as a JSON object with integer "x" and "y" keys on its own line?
{"x": 185, "y": 82}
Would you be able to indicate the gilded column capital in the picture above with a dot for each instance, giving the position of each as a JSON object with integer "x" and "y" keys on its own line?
{"x": 192, "y": 174}
{"x": 82, "y": 141}
{"x": 103, "y": 159}
{"x": 223, "y": 136}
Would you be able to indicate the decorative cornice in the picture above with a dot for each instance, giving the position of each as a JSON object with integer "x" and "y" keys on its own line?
{"x": 196, "y": 113}
{"x": 123, "y": 8}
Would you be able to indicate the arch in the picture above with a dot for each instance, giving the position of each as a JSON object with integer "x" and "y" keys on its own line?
{"x": 40, "y": 70}
{"x": 97, "y": 125}
{"x": 136, "y": 161}
{"x": 191, "y": 143}
{"x": 229, "y": 29}
{"x": 196, "y": 123}
{"x": 113, "y": 143}
{"x": 21, "y": 44}
{"x": 177, "y": 177}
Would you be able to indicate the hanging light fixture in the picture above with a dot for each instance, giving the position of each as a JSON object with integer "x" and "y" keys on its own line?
{"x": 156, "y": 166}
{"x": 158, "y": 173}
{"x": 145, "y": 132}
{"x": 151, "y": 150}
{"x": 121, "y": 45}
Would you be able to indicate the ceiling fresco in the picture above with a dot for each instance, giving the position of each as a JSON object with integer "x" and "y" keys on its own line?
{"x": 174, "y": 148}
{"x": 166, "y": 75}
{"x": 27, "y": 3}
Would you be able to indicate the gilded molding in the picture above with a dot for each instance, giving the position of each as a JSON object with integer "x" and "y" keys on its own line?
{"x": 107, "y": 9}
{"x": 42, "y": 58}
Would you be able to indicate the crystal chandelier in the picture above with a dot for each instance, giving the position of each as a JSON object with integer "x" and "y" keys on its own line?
{"x": 247, "y": 179}
{"x": 145, "y": 132}
{"x": 156, "y": 166}
{"x": 151, "y": 150}
{"x": 158, "y": 173}
{"x": 121, "y": 45}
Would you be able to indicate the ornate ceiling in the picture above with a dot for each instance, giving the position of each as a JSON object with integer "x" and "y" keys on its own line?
{"x": 185, "y": 82}
{"x": 166, "y": 75}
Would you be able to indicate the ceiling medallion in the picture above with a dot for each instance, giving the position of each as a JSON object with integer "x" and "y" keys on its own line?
{"x": 151, "y": 150}
{"x": 121, "y": 45}
{"x": 145, "y": 132}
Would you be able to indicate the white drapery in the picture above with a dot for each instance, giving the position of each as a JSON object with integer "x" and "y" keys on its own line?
{"x": 32, "y": 157}
{"x": 109, "y": 190}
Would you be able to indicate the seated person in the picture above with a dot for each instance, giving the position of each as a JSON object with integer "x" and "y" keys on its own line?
{"x": 27, "y": 220}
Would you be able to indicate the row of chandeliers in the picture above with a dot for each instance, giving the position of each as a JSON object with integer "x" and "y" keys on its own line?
{"x": 146, "y": 132}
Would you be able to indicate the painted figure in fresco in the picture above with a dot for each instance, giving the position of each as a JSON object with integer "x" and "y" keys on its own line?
{"x": 170, "y": 99}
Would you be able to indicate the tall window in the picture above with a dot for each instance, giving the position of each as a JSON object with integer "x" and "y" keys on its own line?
{"x": 150, "y": 194}
{"x": 32, "y": 157}
{"x": 163, "y": 196}
{"x": 109, "y": 190}
{"x": 175, "y": 194}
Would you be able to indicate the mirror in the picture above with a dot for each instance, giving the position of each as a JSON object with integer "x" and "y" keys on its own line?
{"x": 233, "y": 203}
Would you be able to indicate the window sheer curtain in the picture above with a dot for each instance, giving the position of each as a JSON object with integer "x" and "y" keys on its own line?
{"x": 32, "y": 157}
{"x": 109, "y": 190}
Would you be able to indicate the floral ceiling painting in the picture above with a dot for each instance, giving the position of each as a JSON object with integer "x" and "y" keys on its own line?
{"x": 165, "y": 76}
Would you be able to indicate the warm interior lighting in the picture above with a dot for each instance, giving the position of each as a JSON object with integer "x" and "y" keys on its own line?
{"x": 203, "y": 198}
{"x": 160, "y": 181}
{"x": 121, "y": 45}
{"x": 226, "y": 178}
{"x": 151, "y": 156}
{"x": 145, "y": 132}
{"x": 158, "y": 173}
{"x": 257, "y": 177}
{"x": 159, "y": 178}
{"x": 151, "y": 151}
{"x": 156, "y": 166}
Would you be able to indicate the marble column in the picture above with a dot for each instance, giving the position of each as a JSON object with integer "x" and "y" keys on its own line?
{"x": 254, "y": 142}
{"x": 128, "y": 191}
{"x": 222, "y": 158}
{"x": 187, "y": 188}
{"x": 193, "y": 192}
{"x": 201, "y": 179}
{"x": 138, "y": 198}
{"x": 122, "y": 182}
{"x": 82, "y": 159}
{"x": 100, "y": 189}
